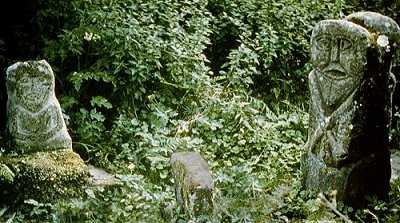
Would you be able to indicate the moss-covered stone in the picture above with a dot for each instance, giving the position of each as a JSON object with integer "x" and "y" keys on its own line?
{"x": 43, "y": 176}
{"x": 6, "y": 175}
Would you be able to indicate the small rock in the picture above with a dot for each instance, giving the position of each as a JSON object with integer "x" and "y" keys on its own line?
{"x": 193, "y": 182}
{"x": 6, "y": 175}
{"x": 100, "y": 177}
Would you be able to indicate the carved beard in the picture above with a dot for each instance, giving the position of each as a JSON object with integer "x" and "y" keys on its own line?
{"x": 334, "y": 86}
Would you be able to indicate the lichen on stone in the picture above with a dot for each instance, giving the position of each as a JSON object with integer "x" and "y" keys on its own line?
{"x": 6, "y": 175}
{"x": 34, "y": 118}
{"x": 39, "y": 162}
{"x": 351, "y": 90}
{"x": 44, "y": 176}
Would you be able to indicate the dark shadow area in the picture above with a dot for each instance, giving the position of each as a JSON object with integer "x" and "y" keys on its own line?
{"x": 18, "y": 38}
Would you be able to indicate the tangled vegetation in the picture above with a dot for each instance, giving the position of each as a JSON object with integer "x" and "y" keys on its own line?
{"x": 141, "y": 79}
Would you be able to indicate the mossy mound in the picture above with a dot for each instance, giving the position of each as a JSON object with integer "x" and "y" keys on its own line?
{"x": 43, "y": 176}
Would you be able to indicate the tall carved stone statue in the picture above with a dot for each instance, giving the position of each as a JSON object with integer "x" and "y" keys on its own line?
{"x": 35, "y": 121}
{"x": 350, "y": 107}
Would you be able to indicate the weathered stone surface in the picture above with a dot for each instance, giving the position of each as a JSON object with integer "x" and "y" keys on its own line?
{"x": 42, "y": 176}
{"x": 34, "y": 117}
{"x": 193, "y": 182}
{"x": 395, "y": 164}
{"x": 99, "y": 177}
{"x": 351, "y": 88}
{"x": 376, "y": 23}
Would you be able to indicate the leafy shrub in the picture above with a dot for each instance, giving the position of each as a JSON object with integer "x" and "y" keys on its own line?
{"x": 142, "y": 79}
{"x": 271, "y": 43}
{"x": 136, "y": 52}
{"x": 134, "y": 60}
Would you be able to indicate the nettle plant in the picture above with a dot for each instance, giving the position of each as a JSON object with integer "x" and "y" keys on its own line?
{"x": 121, "y": 57}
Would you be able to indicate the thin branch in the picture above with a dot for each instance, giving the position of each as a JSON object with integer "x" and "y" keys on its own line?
{"x": 373, "y": 215}
{"x": 331, "y": 206}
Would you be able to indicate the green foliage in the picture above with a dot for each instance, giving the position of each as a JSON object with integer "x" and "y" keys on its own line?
{"x": 132, "y": 201}
{"x": 270, "y": 47}
{"x": 386, "y": 7}
{"x": 121, "y": 53}
{"x": 135, "y": 55}
{"x": 141, "y": 79}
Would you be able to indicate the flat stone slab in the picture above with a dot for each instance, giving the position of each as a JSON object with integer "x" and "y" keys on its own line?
{"x": 99, "y": 177}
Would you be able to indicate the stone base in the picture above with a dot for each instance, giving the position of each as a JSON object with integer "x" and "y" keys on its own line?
{"x": 354, "y": 184}
{"x": 43, "y": 176}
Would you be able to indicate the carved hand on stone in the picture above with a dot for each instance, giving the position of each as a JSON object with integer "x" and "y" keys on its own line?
{"x": 42, "y": 125}
{"x": 326, "y": 126}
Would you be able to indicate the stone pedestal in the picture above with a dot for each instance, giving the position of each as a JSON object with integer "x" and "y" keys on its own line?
{"x": 350, "y": 107}
{"x": 43, "y": 176}
{"x": 193, "y": 182}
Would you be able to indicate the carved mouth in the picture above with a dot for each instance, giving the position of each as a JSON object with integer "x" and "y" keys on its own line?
{"x": 335, "y": 73}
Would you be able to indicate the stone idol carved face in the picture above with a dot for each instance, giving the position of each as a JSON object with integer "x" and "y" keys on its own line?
{"x": 339, "y": 55}
{"x": 33, "y": 87}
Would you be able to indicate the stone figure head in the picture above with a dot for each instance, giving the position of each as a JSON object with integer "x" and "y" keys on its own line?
{"x": 31, "y": 83}
{"x": 377, "y": 23}
{"x": 339, "y": 54}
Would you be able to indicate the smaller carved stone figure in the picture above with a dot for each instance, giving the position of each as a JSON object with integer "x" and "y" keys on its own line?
{"x": 34, "y": 117}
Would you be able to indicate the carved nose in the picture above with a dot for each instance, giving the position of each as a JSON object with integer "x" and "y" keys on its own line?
{"x": 335, "y": 54}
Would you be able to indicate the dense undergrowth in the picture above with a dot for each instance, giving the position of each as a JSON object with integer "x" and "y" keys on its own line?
{"x": 141, "y": 79}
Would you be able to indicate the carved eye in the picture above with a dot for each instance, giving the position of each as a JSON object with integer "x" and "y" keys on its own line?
{"x": 344, "y": 44}
{"x": 323, "y": 42}
{"x": 44, "y": 84}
